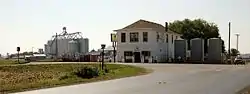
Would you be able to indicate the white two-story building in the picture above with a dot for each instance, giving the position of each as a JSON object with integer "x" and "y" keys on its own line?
{"x": 145, "y": 41}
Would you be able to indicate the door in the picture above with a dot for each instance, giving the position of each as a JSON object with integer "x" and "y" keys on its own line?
{"x": 145, "y": 54}
{"x": 128, "y": 56}
{"x": 137, "y": 57}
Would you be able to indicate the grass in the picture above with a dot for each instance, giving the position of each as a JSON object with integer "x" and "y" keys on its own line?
{"x": 11, "y": 61}
{"x": 28, "y": 77}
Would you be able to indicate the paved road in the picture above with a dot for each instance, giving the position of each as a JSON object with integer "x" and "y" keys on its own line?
{"x": 167, "y": 79}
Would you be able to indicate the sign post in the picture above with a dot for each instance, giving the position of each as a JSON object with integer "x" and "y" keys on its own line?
{"x": 114, "y": 41}
{"x": 102, "y": 47}
{"x": 18, "y": 50}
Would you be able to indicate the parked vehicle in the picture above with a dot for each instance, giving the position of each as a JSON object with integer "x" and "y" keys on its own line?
{"x": 239, "y": 60}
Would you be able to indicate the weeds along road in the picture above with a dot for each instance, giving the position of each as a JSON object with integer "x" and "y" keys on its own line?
{"x": 167, "y": 79}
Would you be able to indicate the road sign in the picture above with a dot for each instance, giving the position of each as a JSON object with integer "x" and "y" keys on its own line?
{"x": 113, "y": 38}
{"x": 18, "y": 49}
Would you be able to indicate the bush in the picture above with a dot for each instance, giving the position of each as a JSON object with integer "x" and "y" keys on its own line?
{"x": 64, "y": 76}
{"x": 106, "y": 70}
{"x": 103, "y": 72}
{"x": 87, "y": 72}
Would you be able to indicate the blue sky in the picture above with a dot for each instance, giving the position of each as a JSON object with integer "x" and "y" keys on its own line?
{"x": 30, "y": 23}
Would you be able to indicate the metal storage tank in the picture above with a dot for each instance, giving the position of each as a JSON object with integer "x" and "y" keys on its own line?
{"x": 180, "y": 49}
{"x": 197, "y": 50}
{"x": 214, "y": 50}
{"x": 51, "y": 47}
{"x": 87, "y": 44}
{"x": 63, "y": 45}
{"x": 84, "y": 45}
{"x": 46, "y": 49}
{"x": 73, "y": 47}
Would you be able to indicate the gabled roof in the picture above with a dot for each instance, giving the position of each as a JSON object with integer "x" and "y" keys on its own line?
{"x": 144, "y": 24}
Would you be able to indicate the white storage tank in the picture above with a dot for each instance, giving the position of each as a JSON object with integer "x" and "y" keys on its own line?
{"x": 46, "y": 49}
{"x": 73, "y": 46}
{"x": 180, "y": 49}
{"x": 63, "y": 45}
{"x": 51, "y": 47}
{"x": 214, "y": 50}
{"x": 197, "y": 50}
{"x": 84, "y": 45}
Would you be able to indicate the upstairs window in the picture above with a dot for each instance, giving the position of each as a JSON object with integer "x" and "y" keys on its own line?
{"x": 134, "y": 37}
{"x": 145, "y": 53}
{"x": 157, "y": 36}
{"x": 145, "y": 36}
{"x": 172, "y": 39}
{"x": 123, "y": 37}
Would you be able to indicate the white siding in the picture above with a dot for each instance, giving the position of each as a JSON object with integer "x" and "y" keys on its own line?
{"x": 161, "y": 49}
{"x": 151, "y": 45}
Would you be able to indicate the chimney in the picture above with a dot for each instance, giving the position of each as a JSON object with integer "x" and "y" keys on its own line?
{"x": 166, "y": 26}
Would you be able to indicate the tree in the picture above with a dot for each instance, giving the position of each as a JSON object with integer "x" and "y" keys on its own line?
{"x": 234, "y": 52}
{"x": 197, "y": 28}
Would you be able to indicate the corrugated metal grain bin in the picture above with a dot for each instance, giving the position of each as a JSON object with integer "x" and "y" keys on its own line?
{"x": 180, "y": 49}
{"x": 84, "y": 45}
{"x": 197, "y": 50}
{"x": 73, "y": 47}
{"x": 214, "y": 50}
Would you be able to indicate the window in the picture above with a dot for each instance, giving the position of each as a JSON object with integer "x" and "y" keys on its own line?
{"x": 172, "y": 39}
{"x": 128, "y": 53}
{"x": 145, "y": 53}
{"x": 145, "y": 36}
{"x": 157, "y": 36}
{"x": 123, "y": 37}
{"x": 166, "y": 38}
{"x": 134, "y": 37}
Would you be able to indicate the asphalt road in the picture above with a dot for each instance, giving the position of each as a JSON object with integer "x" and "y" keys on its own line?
{"x": 167, "y": 79}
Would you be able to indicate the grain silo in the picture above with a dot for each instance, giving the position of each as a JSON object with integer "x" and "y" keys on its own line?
{"x": 73, "y": 47}
{"x": 180, "y": 49}
{"x": 66, "y": 44}
{"x": 214, "y": 50}
{"x": 46, "y": 49}
{"x": 84, "y": 45}
{"x": 197, "y": 50}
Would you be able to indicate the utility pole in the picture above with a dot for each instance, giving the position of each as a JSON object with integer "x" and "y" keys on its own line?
{"x": 229, "y": 40}
{"x": 237, "y": 42}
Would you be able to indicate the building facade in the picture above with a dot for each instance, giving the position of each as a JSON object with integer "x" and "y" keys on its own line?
{"x": 145, "y": 41}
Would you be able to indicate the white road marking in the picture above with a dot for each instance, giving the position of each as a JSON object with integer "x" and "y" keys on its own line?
{"x": 218, "y": 70}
